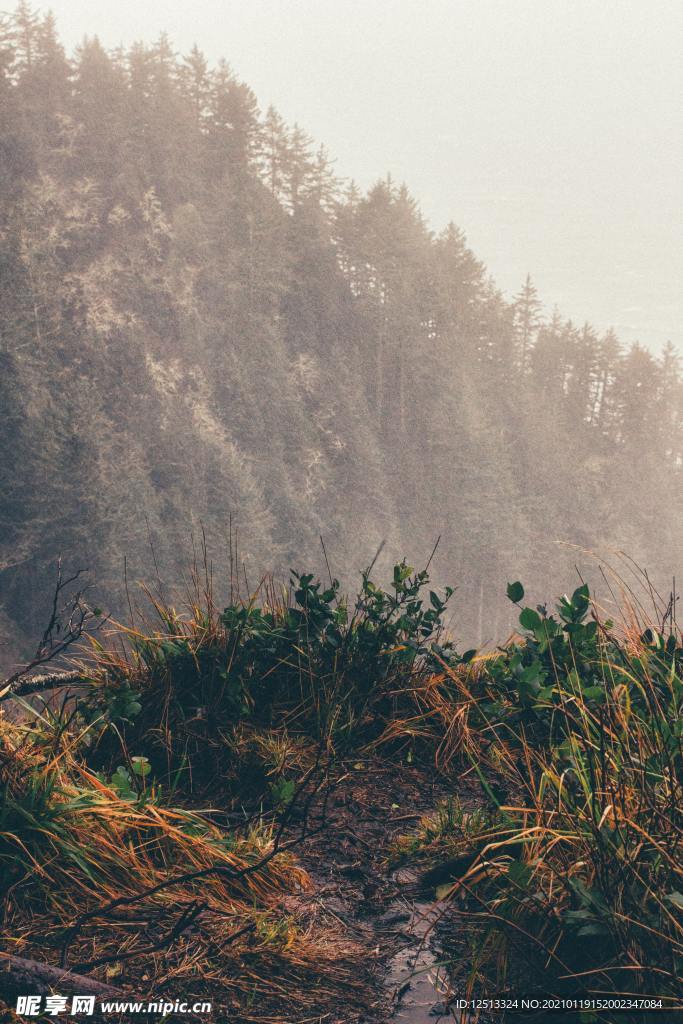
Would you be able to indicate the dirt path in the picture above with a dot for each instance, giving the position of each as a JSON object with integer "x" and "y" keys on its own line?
{"x": 383, "y": 910}
{"x": 383, "y": 919}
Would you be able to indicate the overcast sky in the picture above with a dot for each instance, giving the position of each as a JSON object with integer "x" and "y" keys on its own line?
{"x": 551, "y": 131}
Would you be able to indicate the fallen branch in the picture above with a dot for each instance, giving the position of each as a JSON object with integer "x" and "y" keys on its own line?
{"x": 70, "y": 618}
{"x": 40, "y": 684}
{"x": 188, "y": 917}
{"x": 18, "y": 976}
{"x": 215, "y": 870}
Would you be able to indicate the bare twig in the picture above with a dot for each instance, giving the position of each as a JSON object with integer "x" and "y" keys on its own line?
{"x": 40, "y": 684}
{"x": 215, "y": 870}
{"x": 70, "y": 618}
{"x": 188, "y": 917}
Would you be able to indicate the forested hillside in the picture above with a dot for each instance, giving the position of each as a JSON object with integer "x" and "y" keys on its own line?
{"x": 199, "y": 321}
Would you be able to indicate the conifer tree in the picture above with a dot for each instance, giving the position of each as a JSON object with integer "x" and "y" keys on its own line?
{"x": 527, "y": 308}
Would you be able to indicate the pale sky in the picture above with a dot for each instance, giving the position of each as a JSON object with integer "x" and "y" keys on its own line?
{"x": 551, "y": 131}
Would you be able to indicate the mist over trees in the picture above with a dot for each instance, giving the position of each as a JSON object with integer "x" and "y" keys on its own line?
{"x": 198, "y": 320}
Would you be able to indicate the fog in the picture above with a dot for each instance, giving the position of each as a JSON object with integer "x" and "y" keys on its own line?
{"x": 205, "y": 328}
{"x": 340, "y": 339}
{"x": 549, "y": 130}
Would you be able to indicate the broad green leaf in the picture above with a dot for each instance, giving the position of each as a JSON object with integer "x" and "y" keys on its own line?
{"x": 529, "y": 619}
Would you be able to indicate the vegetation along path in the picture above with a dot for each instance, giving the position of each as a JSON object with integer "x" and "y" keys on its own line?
{"x": 386, "y": 908}
{"x": 311, "y": 810}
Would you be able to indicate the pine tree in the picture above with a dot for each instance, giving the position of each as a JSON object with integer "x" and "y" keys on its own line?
{"x": 234, "y": 130}
{"x": 275, "y": 154}
{"x": 671, "y": 404}
{"x": 298, "y": 166}
{"x": 43, "y": 79}
{"x": 26, "y": 27}
{"x": 99, "y": 109}
{"x": 527, "y": 311}
{"x": 196, "y": 85}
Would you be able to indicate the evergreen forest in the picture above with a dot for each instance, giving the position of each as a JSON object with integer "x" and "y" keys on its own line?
{"x": 203, "y": 330}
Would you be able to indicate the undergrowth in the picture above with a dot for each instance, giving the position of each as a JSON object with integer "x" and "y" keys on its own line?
{"x": 578, "y": 889}
{"x": 200, "y": 689}
{"x": 149, "y": 832}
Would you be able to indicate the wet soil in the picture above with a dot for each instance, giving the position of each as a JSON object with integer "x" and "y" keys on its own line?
{"x": 389, "y": 912}
{"x": 385, "y": 917}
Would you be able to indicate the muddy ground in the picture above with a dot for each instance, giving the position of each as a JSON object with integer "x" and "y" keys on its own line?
{"x": 382, "y": 915}
{"x": 384, "y": 908}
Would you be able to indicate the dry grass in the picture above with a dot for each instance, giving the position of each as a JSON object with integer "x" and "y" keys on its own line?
{"x": 577, "y": 871}
{"x": 581, "y": 877}
{"x": 71, "y": 846}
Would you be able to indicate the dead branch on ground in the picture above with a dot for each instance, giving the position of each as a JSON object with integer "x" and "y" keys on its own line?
{"x": 70, "y": 618}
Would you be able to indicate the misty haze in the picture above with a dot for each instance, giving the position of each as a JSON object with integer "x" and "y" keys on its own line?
{"x": 202, "y": 321}
{"x": 243, "y": 375}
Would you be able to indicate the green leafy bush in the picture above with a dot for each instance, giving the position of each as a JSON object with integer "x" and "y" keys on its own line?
{"x": 586, "y": 728}
{"x": 308, "y": 655}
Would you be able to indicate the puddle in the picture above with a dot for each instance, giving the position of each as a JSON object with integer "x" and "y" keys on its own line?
{"x": 417, "y": 986}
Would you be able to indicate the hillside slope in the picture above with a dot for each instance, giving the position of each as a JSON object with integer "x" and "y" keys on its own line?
{"x": 199, "y": 322}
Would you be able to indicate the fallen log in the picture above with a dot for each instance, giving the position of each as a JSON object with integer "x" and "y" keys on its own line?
{"x": 19, "y": 976}
{"x": 38, "y": 684}
{"x": 24, "y": 701}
